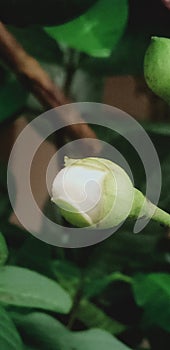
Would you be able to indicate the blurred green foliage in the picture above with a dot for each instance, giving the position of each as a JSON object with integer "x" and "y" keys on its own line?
{"x": 9, "y": 337}
{"x": 152, "y": 292}
{"x": 97, "y": 31}
{"x": 119, "y": 285}
{"x": 85, "y": 299}
{"x": 22, "y": 287}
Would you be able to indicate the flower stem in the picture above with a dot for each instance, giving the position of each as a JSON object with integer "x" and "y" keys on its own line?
{"x": 161, "y": 216}
{"x": 149, "y": 209}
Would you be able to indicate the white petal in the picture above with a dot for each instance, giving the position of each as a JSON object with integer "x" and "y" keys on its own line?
{"x": 79, "y": 186}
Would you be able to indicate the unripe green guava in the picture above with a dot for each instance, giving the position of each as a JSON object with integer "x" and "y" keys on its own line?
{"x": 157, "y": 67}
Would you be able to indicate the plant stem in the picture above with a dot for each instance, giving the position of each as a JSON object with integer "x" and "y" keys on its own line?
{"x": 161, "y": 216}
{"x": 149, "y": 210}
{"x": 75, "y": 307}
{"x": 118, "y": 276}
{"x": 71, "y": 63}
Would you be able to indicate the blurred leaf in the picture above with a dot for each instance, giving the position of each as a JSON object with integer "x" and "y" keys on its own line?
{"x": 128, "y": 55}
{"x": 42, "y": 331}
{"x": 68, "y": 275}
{"x": 158, "y": 128}
{"x": 14, "y": 235}
{"x": 48, "y": 333}
{"x": 52, "y": 12}
{"x": 3, "y": 250}
{"x": 123, "y": 252}
{"x": 12, "y": 97}
{"x": 122, "y": 59}
{"x": 72, "y": 278}
{"x": 97, "y": 31}
{"x": 35, "y": 255}
{"x": 152, "y": 293}
{"x": 94, "y": 286}
{"x": 94, "y": 317}
{"x": 96, "y": 339}
{"x": 22, "y": 287}
{"x": 9, "y": 337}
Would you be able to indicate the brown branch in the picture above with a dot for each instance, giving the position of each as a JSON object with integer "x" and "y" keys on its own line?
{"x": 31, "y": 74}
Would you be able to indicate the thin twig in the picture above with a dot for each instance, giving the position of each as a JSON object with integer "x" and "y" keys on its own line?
{"x": 31, "y": 74}
{"x": 71, "y": 64}
{"x": 75, "y": 307}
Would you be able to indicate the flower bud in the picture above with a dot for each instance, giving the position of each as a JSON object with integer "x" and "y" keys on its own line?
{"x": 93, "y": 192}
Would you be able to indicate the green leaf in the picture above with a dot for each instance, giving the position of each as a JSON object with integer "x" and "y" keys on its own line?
{"x": 3, "y": 250}
{"x": 95, "y": 287}
{"x": 122, "y": 251}
{"x": 48, "y": 333}
{"x": 158, "y": 128}
{"x": 49, "y": 12}
{"x": 12, "y": 97}
{"x": 9, "y": 337}
{"x": 68, "y": 275}
{"x": 152, "y": 293}
{"x": 94, "y": 317}
{"x": 42, "y": 331}
{"x": 96, "y": 339}
{"x": 122, "y": 61}
{"x": 97, "y": 31}
{"x": 23, "y": 287}
{"x": 31, "y": 255}
{"x": 128, "y": 55}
